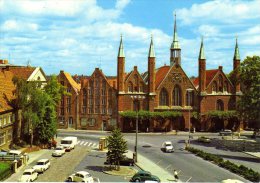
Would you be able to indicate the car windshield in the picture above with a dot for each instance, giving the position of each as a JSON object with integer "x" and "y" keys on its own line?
{"x": 40, "y": 163}
{"x": 27, "y": 173}
{"x": 66, "y": 142}
{"x": 168, "y": 144}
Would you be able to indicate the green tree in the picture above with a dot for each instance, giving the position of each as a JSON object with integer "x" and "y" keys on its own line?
{"x": 249, "y": 103}
{"x": 116, "y": 148}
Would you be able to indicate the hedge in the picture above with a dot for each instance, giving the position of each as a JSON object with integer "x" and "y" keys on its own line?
{"x": 247, "y": 173}
{"x": 5, "y": 170}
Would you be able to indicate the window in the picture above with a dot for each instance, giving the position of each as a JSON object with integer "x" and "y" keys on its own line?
{"x": 103, "y": 111}
{"x": 9, "y": 135}
{"x": 189, "y": 98}
{"x": 176, "y": 96}
{"x": 141, "y": 88}
{"x": 62, "y": 111}
{"x": 136, "y": 79}
{"x": 4, "y": 118}
{"x": 163, "y": 97}
{"x": 9, "y": 119}
{"x": 220, "y": 82}
{"x": 84, "y": 97}
{"x": 130, "y": 87}
{"x": 68, "y": 110}
{"x": 68, "y": 101}
{"x": 103, "y": 101}
{"x": 61, "y": 120}
{"x": 83, "y": 122}
{"x": 68, "y": 89}
{"x": 103, "y": 92}
{"x": 110, "y": 110}
{"x": 220, "y": 105}
{"x": 84, "y": 110}
{"x": 214, "y": 87}
{"x": 2, "y": 138}
{"x": 91, "y": 121}
{"x": 226, "y": 87}
{"x": 62, "y": 101}
{"x": 104, "y": 84}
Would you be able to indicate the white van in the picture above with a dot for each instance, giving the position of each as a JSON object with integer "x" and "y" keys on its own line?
{"x": 69, "y": 143}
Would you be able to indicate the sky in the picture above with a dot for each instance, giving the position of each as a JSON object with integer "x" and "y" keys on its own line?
{"x": 79, "y": 35}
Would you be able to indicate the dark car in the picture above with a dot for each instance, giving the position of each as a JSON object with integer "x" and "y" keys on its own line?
{"x": 124, "y": 161}
{"x": 142, "y": 176}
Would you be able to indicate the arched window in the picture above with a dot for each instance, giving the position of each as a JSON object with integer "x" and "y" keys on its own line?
{"x": 176, "y": 96}
{"x": 220, "y": 105}
{"x": 214, "y": 87}
{"x": 163, "y": 97}
{"x": 104, "y": 84}
{"x": 84, "y": 97}
{"x": 130, "y": 87}
{"x": 226, "y": 87}
{"x": 220, "y": 83}
{"x": 189, "y": 98}
{"x": 141, "y": 88}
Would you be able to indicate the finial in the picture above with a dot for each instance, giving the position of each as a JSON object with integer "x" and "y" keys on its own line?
{"x": 151, "y": 49}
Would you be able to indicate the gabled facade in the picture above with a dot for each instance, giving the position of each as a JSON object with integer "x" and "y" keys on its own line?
{"x": 7, "y": 113}
{"x": 98, "y": 100}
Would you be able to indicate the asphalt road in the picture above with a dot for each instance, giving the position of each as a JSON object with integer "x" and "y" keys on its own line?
{"x": 190, "y": 167}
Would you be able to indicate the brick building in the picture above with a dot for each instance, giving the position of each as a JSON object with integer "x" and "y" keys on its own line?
{"x": 97, "y": 100}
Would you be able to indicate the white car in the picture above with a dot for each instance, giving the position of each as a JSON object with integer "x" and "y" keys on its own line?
{"x": 167, "y": 146}
{"x": 29, "y": 175}
{"x": 231, "y": 181}
{"x": 58, "y": 151}
{"x": 42, "y": 165}
{"x": 81, "y": 176}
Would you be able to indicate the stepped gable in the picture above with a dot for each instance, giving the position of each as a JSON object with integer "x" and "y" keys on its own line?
{"x": 7, "y": 89}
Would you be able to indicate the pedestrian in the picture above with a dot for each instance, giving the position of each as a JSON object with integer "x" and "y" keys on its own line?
{"x": 56, "y": 135}
{"x": 175, "y": 174}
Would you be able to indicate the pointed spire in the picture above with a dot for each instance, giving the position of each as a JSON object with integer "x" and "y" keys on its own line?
{"x": 202, "y": 55}
{"x": 175, "y": 42}
{"x": 236, "y": 54}
{"x": 151, "y": 49}
{"x": 121, "y": 49}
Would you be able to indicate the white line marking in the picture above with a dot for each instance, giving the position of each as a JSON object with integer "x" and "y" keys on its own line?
{"x": 82, "y": 142}
{"x": 78, "y": 142}
{"x": 86, "y": 143}
{"x": 90, "y": 144}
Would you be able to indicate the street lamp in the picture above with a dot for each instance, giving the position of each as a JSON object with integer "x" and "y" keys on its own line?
{"x": 136, "y": 98}
{"x": 189, "y": 90}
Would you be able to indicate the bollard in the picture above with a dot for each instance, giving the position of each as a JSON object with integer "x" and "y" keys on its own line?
{"x": 15, "y": 165}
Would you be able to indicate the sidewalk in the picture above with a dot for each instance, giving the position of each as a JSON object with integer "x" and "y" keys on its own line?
{"x": 147, "y": 165}
{"x": 255, "y": 154}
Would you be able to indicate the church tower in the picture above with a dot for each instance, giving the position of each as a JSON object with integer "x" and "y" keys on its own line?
{"x": 175, "y": 57}
{"x": 236, "y": 64}
{"x": 202, "y": 69}
{"x": 120, "y": 67}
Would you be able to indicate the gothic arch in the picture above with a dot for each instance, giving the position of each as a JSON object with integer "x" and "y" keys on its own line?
{"x": 164, "y": 97}
{"x": 177, "y": 96}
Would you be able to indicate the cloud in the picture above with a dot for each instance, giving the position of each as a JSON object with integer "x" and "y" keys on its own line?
{"x": 208, "y": 30}
{"x": 13, "y": 25}
{"x": 226, "y": 11}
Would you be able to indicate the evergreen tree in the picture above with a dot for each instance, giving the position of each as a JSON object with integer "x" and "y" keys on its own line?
{"x": 116, "y": 148}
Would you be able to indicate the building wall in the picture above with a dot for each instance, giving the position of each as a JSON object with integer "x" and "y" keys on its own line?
{"x": 6, "y": 129}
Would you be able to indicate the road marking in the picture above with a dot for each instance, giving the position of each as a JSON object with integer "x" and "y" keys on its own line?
{"x": 86, "y": 143}
{"x": 94, "y": 145}
{"x": 168, "y": 167}
{"x": 82, "y": 142}
{"x": 158, "y": 162}
{"x": 90, "y": 144}
{"x": 78, "y": 142}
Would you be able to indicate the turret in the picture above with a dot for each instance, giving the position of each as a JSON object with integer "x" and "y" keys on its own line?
{"x": 236, "y": 64}
{"x": 120, "y": 67}
{"x": 151, "y": 68}
{"x": 202, "y": 69}
{"x": 175, "y": 57}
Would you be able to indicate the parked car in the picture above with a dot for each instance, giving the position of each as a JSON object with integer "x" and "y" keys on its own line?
{"x": 17, "y": 153}
{"x": 167, "y": 146}
{"x": 124, "y": 161}
{"x": 142, "y": 176}
{"x": 58, "y": 151}
{"x": 231, "y": 181}
{"x": 225, "y": 132}
{"x": 81, "y": 176}
{"x": 29, "y": 175}
{"x": 204, "y": 139}
{"x": 42, "y": 165}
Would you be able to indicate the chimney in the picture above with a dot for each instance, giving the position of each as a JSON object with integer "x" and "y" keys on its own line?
{"x": 135, "y": 68}
{"x": 220, "y": 68}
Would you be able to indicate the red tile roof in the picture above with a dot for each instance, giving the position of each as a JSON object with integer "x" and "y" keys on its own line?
{"x": 210, "y": 74}
{"x": 160, "y": 74}
{"x": 22, "y": 72}
{"x": 7, "y": 89}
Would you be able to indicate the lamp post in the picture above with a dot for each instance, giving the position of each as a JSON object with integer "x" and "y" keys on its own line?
{"x": 189, "y": 90}
{"x": 136, "y": 98}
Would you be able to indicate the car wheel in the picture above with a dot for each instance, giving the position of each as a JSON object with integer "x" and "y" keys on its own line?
{"x": 70, "y": 179}
{"x": 137, "y": 180}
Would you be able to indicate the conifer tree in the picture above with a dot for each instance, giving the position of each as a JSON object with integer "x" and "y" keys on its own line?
{"x": 116, "y": 148}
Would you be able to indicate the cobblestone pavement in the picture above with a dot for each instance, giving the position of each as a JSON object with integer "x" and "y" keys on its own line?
{"x": 62, "y": 167}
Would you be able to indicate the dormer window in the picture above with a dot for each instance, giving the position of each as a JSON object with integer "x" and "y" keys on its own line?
{"x": 226, "y": 87}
